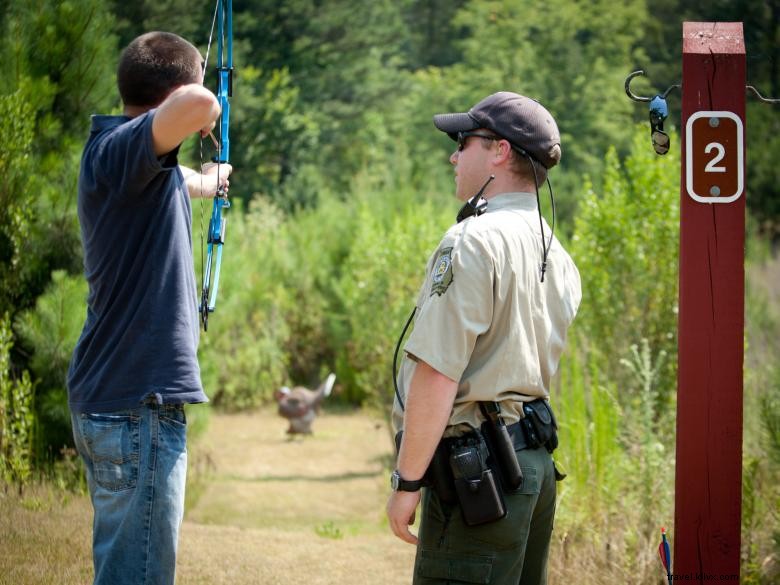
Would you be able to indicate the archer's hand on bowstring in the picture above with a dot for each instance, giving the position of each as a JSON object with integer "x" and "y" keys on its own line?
{"x": 205, "y": 184}
{"x": 214, "y": 176}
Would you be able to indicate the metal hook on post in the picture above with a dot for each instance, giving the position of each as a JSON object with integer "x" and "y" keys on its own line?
{"x": 658, "y": 113}
{"x": 638, "y": 98}
{"x": 762, "y": 98}
{"x": 631, "y": 94}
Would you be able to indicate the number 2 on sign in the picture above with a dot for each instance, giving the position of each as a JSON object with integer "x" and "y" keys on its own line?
{"x": 721, "y": 152}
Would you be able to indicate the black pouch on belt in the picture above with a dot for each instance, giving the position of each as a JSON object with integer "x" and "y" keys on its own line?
{"x": 539, "y": 425}
{"x": 479, "y": 495}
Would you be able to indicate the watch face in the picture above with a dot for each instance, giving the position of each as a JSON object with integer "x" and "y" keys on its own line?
{"x": 394, "y": 480}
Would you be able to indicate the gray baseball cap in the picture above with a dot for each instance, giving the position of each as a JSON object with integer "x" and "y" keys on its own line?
{"x": 523, "y": 121}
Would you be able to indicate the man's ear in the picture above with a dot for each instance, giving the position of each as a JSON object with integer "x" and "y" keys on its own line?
{"x": 503, "y": 151}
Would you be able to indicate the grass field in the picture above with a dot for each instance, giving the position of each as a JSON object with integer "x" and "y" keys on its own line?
{"x": 262, "y": 509}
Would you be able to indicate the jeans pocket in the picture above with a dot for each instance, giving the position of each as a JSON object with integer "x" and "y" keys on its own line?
{"x": 173, "y": 413}
{"x": 113, "y": 445}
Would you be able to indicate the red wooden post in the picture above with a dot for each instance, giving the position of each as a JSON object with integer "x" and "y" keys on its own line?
{"x": 708, "y": 482}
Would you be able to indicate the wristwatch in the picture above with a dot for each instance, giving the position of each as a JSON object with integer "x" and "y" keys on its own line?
{"x": 399, "y": 484}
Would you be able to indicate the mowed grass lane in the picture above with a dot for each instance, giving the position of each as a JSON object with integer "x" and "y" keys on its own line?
{"x": 264, "y": 509}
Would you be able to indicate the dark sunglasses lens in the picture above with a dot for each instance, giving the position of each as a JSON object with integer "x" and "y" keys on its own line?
{"x": 660, "y": 142}
{"x": 461, "y": 140}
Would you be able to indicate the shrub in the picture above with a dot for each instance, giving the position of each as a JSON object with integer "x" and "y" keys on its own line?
{"x": 17, "y": 417}
{"x": 49, "y": 332}
{"x": 625, "y": 245}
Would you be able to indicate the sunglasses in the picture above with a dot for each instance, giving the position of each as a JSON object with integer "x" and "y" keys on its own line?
{"x": 462, "y": 136}
{"x": 660, "y": 141}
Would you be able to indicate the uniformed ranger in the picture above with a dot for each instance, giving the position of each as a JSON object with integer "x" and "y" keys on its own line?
{"x": 489, "y": 328}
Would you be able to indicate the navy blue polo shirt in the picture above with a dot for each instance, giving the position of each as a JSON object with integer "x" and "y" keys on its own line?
{"x": 140, "y": 337}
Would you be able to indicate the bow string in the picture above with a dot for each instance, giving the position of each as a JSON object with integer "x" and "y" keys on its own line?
{"x": 223, "y": 20}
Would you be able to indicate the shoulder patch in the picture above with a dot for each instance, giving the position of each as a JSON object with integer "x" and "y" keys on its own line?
{"x": 442, "y": 272}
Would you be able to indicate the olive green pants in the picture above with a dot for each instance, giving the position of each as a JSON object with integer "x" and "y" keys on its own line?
{"x": 510, "y": 551}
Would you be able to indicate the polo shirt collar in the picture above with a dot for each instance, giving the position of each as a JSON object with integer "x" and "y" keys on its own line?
{"x": 512, "y": 201}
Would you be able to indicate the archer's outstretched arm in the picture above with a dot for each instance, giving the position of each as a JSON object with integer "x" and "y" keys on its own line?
{"x": 188, "y": 109}
{"x": 205, "y": 184}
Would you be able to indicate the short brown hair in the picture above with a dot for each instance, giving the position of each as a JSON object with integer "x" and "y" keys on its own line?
{"x": 153, "y": 65}
{"x": 520, "y": 164}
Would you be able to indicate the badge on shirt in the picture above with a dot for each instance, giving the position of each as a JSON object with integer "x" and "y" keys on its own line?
{"x": 442, "y": 272}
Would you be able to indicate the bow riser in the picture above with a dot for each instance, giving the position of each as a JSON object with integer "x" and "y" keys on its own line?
{"x": 217, "y": 223}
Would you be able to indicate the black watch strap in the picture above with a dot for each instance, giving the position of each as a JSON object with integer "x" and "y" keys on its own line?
{"x": 399, "y": 484}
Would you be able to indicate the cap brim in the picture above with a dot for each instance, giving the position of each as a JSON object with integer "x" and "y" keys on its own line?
{"x": 454, "y": 123}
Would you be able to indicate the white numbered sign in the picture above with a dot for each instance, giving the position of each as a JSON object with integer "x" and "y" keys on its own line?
{"x": 714, "y": 157}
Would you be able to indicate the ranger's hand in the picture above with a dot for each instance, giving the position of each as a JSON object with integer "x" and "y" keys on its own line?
{"x": 401, "y": 508}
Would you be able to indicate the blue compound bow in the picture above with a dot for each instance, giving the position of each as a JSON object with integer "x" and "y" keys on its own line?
{"x": 223, "y": 17}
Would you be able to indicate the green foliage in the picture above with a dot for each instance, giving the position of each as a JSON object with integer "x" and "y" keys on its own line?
{"x": 329, "y": 530}
{"x": 625, "y": 245}
{"x": 587, "y": 412}
{"x": 57, "y": 68}
{"x": 17, "y": 418}
{"x": 649, "y": 437}
{"x": 379, "y": 286}
{"x": 66, "y": 48}
{"x": 620, "y": 480}
{"x": 761, "y": 451}
{"x": 242, "y": 356}
{"x": 322, "y": 289}
{"x": 15, "y": 165}
{"x": 50, "y": 332}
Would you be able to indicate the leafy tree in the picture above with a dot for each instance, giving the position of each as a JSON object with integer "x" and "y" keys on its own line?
{"x": 15, "y": 167}
{"x": 566, "y": 54}
{"x": 49, "y": 333}
{"x": 191, "y": 20}
{"x": 433, "y": 32}
{"x": 57, "y": 69}
{"x": 57, "y": 61}
{"x": 347, "y": 66}
{"x": 625, "y": 245}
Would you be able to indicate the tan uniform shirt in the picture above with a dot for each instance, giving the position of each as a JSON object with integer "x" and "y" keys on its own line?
{"x": 484, "y": 318}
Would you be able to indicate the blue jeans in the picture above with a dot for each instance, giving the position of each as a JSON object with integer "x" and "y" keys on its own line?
{"x": 136, "y": 464}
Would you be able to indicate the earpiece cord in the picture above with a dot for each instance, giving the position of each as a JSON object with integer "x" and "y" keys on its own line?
{"x": 552, "y": 227}
{"x": 395, "y": 358}
{"x": 545, "y": 247}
